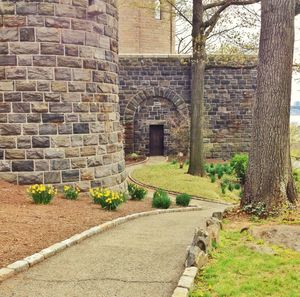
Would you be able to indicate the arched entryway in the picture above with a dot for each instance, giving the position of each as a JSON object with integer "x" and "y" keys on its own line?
{"x": 148, "y": 119}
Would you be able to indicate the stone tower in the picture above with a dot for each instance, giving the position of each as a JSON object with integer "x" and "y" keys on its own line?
{"x": 59, "y": 110}
{"x": 146, "y": 27}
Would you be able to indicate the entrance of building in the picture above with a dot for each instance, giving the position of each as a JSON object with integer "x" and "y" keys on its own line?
{"x": 156, "y": 145}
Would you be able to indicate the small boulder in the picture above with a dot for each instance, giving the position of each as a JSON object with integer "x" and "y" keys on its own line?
{"x": 218, "y": 215}
{"x": 201, "y": 239}
{"x": 262, "y": 249}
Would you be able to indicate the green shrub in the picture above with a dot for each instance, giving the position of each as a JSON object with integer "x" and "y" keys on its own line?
{"x": 161, "y": 199}
{"x": 223, "y": 187}
{"x": 183, "y": 199}
{"x": 213, "y": 178}
{"x": 41, "y": 194}
{"x": 136, "y": 192}
{"x": 131, "y": 188}
{"x": 71, "y": 193}
{"x": 240, "y": 164}
{"x": 230, "y": 187}
{"x": 237, "y": 186}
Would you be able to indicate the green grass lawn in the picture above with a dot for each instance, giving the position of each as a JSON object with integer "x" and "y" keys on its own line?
{"x": 169, "y": 177}
{"x": 237, "y": 271}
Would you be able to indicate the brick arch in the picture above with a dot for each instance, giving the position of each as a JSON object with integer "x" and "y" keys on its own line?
{"x": 148, "y": 93}
{"x": 143, "y": 95}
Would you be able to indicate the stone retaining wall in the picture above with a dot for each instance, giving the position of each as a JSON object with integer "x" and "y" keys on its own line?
{"x": 59, "y": 109}
{"x": 229, "y": 96}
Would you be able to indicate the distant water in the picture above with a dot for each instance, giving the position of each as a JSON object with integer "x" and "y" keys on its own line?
{"x": 295, "y": 119}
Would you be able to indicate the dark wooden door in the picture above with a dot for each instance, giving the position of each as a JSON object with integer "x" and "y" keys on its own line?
{"x": 156, "y": 140}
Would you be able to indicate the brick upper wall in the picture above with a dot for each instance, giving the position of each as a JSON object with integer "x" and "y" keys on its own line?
{"x": 141, "y": 33}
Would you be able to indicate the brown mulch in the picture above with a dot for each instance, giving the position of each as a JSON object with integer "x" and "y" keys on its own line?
{"x": 26, "y": 228}
{"x": 132, "y": 161}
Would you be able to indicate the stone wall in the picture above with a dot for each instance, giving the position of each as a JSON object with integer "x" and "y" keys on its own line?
{"x": 229, "y": 96}
{"x": 59, "y": 111}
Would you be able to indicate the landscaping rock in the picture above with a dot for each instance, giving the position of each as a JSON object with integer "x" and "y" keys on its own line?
{"x": 218, "y": 215}
{"x": 19, "y": 266}
{"x": 214, "y": 234}
{"x": 286, "y": 235}
{"x": 201, "y": 239}
{"x": 214, "y": 221}
{"x": 193, "y": 256}
{"x": 191, "y": 272}
{"x": 34, "y": 259}
{"x": 262, "y": 249}
{"x": 6, "y": 273}
{"x": 53, "y": 249}
{"x": 186, "y": 282}
{"x": 181, "y": 292}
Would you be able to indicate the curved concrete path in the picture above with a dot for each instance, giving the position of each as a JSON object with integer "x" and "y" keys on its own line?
{"x": 141, "y": 258}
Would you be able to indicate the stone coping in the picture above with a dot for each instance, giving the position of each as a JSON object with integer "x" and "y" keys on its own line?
{"x": 24, "y": 264}
{"x": 154, "y": 56}
{"x": 213, "y": 60}
{"x": 177, "y": 193}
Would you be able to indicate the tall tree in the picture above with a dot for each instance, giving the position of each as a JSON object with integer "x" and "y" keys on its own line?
{"x": 269, "y": 178}
{"x": 205, "y": 18}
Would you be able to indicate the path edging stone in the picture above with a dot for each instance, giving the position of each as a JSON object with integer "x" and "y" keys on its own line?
{"x": 26, "y": 263}
{"x": 197, "y": 253}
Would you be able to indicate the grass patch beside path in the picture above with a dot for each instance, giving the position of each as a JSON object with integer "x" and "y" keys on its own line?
{"x": 169, "y": 177}
{"x": 237, "y": 271}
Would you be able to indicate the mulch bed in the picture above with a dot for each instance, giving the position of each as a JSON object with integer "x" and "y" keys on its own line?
{"x": 26, "y": 228}
{"x": 132, "y": 161}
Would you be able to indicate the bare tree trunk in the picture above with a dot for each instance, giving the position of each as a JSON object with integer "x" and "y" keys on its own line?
{"x": 269, "y": 178}
{"x": 196, "y": 166}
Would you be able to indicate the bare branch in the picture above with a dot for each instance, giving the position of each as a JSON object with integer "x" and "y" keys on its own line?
{"x": 211, "y": 23}
{"x": 229, "y": 2}
{"x": 179, "y": 11}
{"x": 221, "y": 32}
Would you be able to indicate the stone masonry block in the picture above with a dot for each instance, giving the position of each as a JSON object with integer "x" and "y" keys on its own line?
{"x": 48, "y": 35}
{"x": 19, "y": 266}
{"x": 6, "y": 273}
{"x": 181, "y": 292}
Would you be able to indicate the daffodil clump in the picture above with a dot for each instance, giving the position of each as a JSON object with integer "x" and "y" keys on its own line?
{"x": 136, "y": 192}
{"x": 71, "y": 193}
{"x": 42, "y": 194}
{"x": 106, "y": 198}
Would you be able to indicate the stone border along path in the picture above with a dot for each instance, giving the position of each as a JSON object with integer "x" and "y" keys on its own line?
{"x": 197, "y": 253}
{"x": 142, "y": 258}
